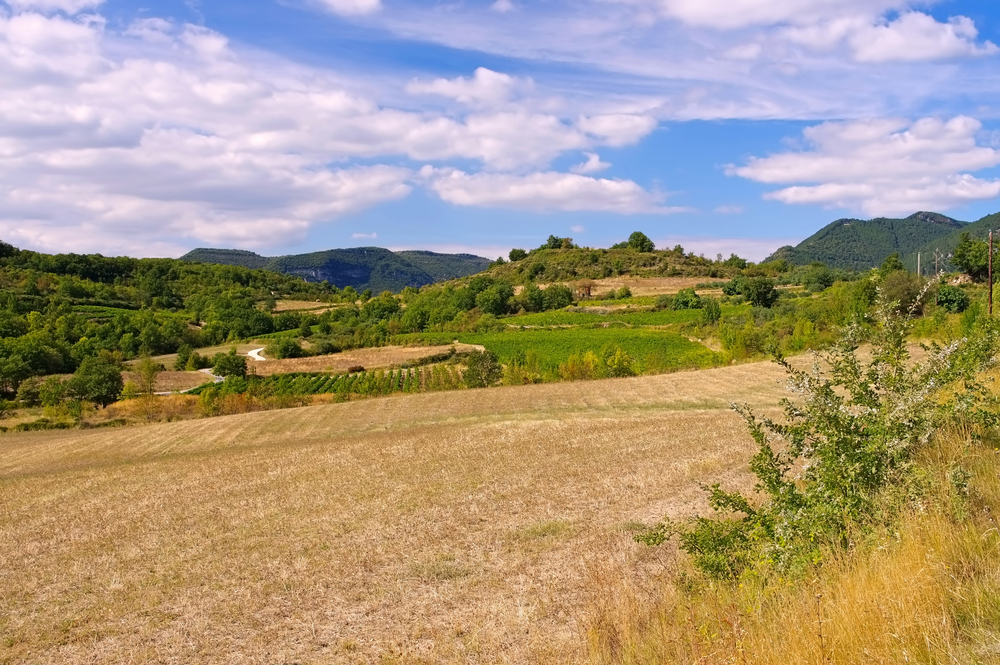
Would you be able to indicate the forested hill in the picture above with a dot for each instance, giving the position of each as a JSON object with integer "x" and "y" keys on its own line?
{"x": 856, "y": 244}
{"x": 946, "y": 244}
{"x": 363, "y": 268}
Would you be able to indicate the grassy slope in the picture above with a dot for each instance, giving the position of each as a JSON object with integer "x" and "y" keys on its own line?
{"x": 465, "y": 526}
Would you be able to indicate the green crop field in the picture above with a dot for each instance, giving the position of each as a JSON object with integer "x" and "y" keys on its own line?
{"x": 654, "y": 350}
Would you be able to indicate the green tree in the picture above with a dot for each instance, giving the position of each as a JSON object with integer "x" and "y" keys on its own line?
{"x": 183, "y": 354}
{"x": 483, "y": 370}
{"x": 558, "y": 296}
{"x": 495, "y": 299}
{"x": 517, "y": 255}
{"x": 952, "y": 298}
{"x": 972, "y": 257}
{"x": 145, "y": 372}
{"x": 230, "y": 364}
{"x": 760, "y": 291}
{"x": 97, "y": 380}
{"x": 284, "y": 347}
{"x": 711, "y": 312}
{"x": 891, "y": 264}
{"x": 686, "y": 299}
{"x": 639, "y": 242}
{"x": 620, "y": 363}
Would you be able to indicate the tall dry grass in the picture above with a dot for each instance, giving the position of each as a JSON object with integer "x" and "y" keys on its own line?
{"x": 927, "y": 592}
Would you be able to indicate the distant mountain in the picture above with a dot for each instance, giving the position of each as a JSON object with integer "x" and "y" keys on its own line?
{"x": 946, "y": 244}
{"x": 363, "y": 268}
{"x": 857, "y": 244}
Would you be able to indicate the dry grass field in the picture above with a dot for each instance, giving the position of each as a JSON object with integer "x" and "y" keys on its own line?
{"x": 369, "y": 358}
{"x": 176, "y": 381}
{"x": 474, "y": 526}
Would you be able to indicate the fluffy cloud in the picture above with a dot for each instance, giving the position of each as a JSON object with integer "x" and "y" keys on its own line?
{"x": 912, "y": 36}
{"x": 618, "y": 129}
{"x": 543, "y": 191}
{"x": 592, "y": 165}
{"x": 184, "y": 138}
{"x": 485, "y": 86}
{"x": 882, "y": 167}
{"x": 352, "y": 7}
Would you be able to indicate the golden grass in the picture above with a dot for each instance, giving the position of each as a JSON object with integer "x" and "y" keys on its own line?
{"x": 370, "y": 358}
{"x": 176, "y": 381}
{"x": 927, "y": 593}
{"x": 467, "y": 526}
{"x": 291, "y": 305}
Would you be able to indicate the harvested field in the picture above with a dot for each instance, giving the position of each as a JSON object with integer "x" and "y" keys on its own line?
{"x": 472, "y": 526}
{"x": 383, "y": 356}
{"x": 176, "y": 381}
{"x": 313, "y": 306}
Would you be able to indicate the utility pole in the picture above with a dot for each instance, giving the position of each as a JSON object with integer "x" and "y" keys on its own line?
{"x": 918, "y": 264}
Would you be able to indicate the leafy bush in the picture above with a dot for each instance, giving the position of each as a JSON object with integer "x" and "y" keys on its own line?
{"x": 952, "y": 298}
{"x": 229, "y": 364}
{"x": 483, "y": 370}
{"x": 283, "y": 347}
{"x": 759, "y": 291}
{"x": 829, "y": 471}
{"x": 711, "y": 311}
{"x": 686, "y": 299}
{"x": 98, "y": 381}
{"x": 663, "y": 302}
{"x": 558, "y": 296}
{"x": 905, "y": 289}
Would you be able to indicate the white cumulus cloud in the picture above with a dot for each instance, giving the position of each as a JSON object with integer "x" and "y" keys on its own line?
{"x": 164, "y": 130}
{"x": 592, "y": 165}
{"x": 882, "y": 166}
{"x": 618, "y": 129}
{"x": 485, "y": 86}
{"x": 543, "y": 191}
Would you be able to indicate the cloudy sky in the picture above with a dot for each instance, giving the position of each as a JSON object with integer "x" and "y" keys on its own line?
{"x": 283, "y": 126}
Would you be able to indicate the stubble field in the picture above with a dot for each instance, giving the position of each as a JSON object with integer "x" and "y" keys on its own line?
{"x": 474, "y": 526}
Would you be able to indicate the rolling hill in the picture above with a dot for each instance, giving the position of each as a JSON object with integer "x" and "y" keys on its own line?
{"x": 857, "y": 244}
{"x": 363, "y": 268}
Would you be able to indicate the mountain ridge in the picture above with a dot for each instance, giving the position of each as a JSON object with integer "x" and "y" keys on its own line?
{"x": 858, "y": 244}
{"x": 362, "y": 268}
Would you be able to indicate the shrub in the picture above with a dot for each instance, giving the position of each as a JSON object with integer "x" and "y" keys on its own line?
{"x": 620, "y": 363}
{"x": 905, "y": 289}
{"x": 284, "y": 347}
{"x": 97, "y": 380}
{"x": 623, "y": 293}
{"x": 759, "y": 291}
{"x": 840, "y": 460}
{"x": 686, "y": 299}
{"x": 558, "y": 296}
{"x": 483, "y": 370}
{"x": 229, "y": 364}
{"x": 663, "y": 302}
{"x": 952, "y": 298}
{"x": 711, "y": 311}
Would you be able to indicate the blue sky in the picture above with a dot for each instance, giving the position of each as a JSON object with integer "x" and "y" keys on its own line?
{"x": 149, "y": 128}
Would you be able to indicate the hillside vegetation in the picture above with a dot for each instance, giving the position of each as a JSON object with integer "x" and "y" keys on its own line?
{"x": 362, "y": 268}
{"x": 856, "y": 244}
